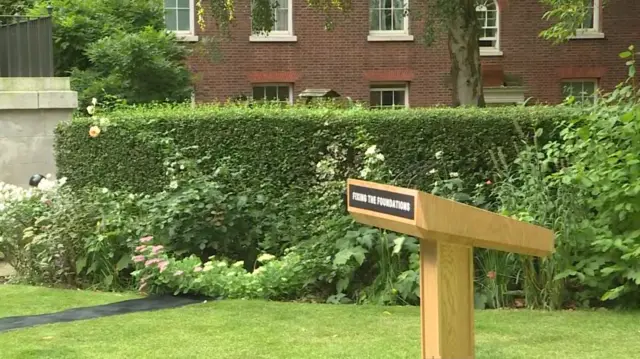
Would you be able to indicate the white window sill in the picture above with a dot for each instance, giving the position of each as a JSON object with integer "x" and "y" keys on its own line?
{"x": 490, "y": 52}
{"x": 587, "y": 35}
{"x": 187, "y": 38}
{"x": 390, "y": 37}
{"x": 273, "y": 38}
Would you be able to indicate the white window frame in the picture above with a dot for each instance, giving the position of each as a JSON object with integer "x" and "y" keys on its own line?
{"x": 581, "y": 80}
{"x": 278, "y": 36}
{"x": 189, "y": 35}
{"x": 390, "y": 35}
{"x": 389, "y": 86}
{"x": 275, "y": 84}
{"x": 493, "y": 50}
{"x": 596, "y": 31}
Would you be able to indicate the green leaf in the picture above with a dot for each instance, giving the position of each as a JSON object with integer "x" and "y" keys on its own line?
{"x": 632, "y": 71}
{"x": 398, "y": 244}
{"x": 366, "y": 240}
{"x": 242, "y": 201}
{"x": 342, "y": 285}
{"x": 565, "y": 274}
{"x": 359, "y": 254}
{"x": 584, "y": 133}
{"x": 461, "y": 197}
{"x": 80, "y": 264}
{"x": 108, "y": 280}
{"x": 613, "y": 293}
{"x": 480, "y": 301}
{"x": 343, "y": 256}
{"x": 124, "y": 262}
{"x": 625, "y": 54}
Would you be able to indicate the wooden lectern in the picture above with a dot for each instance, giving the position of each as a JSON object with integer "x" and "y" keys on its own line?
{"x": 448, "y": 231}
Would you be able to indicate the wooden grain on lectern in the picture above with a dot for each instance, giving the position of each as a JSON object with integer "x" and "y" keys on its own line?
{"x": 448, "y": 231}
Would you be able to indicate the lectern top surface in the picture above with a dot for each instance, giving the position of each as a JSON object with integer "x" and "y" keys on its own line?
{"x": 431, "y": 217}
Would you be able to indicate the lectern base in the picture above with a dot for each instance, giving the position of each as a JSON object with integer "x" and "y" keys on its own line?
{"x": 446, "y": 307}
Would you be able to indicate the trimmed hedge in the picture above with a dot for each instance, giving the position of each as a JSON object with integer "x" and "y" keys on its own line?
{"x": 283, "y": 145}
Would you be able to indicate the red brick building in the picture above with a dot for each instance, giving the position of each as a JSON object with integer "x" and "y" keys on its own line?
{"x": 375, "y": 53}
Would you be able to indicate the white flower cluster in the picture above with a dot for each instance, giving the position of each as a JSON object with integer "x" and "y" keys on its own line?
{"x": 10, "y": 193}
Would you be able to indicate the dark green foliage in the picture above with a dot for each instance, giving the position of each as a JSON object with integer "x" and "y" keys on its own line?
{"x": 128, "y": 65}
{"x": 117, "y": 51}
{"x": 282, "y": 146}
{"x": 80, "y": 23}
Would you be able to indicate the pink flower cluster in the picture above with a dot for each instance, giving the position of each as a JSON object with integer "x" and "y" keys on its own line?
{"x": 162, "y": 264}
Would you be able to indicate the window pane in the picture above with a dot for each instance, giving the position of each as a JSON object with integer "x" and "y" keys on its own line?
{"x": 374, "y": 19}
{"x": 374, "y": 98}
{"x": 589, "y": 88}
{"x": 374, "y": 4}
{"x": 282, "y": 4}
{"x": 386, "y": 4}
{"x": 258, "y": 93}
{"x": 398, "y": 98}
{"x": 271, "y": 93}
{"x": 490, "y": 33}
{"x": 398, "y": 19}
{"x": 183, "y": 4}
{"x": 387, "y": 98}
{"x": 570, "y": 89}
{"x": 170, "y": 20}
{"x": 386, "y": 20}
{"x": 491, "y": 22}
{"x": 486, "y": 43}
{"x": 283, "y": 93}
{"x": 588, "y": 20}
{"x": 398, "y": 4}
{"x": 282, "y": 21}
{"x": 184, "y": 24}
{"x": 169, "y": 3}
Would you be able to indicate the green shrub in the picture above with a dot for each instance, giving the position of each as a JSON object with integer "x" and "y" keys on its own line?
{"x": 117, "y": 51}
{"x": 282, "y": 146}
{"x": 80, "y": 23}
{"x": 141, "y": 67}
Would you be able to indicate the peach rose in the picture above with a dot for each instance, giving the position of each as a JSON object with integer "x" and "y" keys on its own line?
{"x": 94, "y": 131}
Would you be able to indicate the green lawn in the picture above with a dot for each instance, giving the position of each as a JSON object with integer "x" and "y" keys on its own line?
{"x": 255, "y": 329}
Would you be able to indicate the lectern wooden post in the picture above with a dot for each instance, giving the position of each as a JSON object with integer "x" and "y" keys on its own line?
{"x": 448, "y": 231}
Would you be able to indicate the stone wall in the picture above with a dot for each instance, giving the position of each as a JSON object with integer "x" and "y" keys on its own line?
{"x": 30, "y": 109}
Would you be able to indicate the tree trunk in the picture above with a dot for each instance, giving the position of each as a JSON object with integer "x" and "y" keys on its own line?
{"x": 466, "y": 77}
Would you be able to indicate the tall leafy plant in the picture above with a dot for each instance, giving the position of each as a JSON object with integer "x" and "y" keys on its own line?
{"x": 603, "y": 144}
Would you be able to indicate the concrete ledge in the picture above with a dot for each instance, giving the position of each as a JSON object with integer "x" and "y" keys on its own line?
{"x": 18, "y": 100}
{"x": 35, "y": 84}
{"x": 36, "y": 100}
{"x": 57, "y": 99}
{"x": 34, "y": 93}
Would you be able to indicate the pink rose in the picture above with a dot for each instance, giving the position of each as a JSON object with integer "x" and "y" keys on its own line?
{"x": 197, "y": 269}
{"x": 146, "y": 239}
{"x": 489, "y": 182}
{"x": 178, "y": 273}
{"x": 491, "y": 275}
{"x": 138, "y": 259}
{"x": 163, "y": 265}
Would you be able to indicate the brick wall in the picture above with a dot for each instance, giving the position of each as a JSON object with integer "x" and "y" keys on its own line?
{"x": 343, "y": 59}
